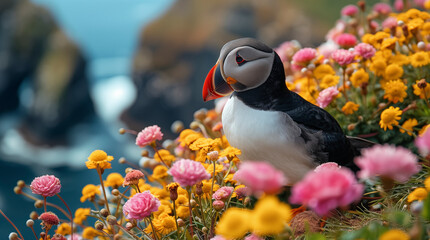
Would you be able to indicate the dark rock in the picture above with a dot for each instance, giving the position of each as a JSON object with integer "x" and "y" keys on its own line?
{"x": 35, "y": 52}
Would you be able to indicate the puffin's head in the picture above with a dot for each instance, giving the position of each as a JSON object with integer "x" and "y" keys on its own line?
{"x": 243, "y": 64}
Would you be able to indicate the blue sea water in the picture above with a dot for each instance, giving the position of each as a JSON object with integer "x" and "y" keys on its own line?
{"x": 108, "y": 32}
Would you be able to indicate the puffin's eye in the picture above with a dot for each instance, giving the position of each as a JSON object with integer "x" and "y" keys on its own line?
{"x": 239, "y": 60}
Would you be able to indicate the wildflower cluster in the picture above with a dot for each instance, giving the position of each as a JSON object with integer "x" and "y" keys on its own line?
{"x": 371, "y": 75}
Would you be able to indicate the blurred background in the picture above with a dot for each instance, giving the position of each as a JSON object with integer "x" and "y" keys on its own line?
{"x": 72, "y": 72}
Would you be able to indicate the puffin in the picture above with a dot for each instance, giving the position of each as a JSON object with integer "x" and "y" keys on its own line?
{"x": 267, "y": 121}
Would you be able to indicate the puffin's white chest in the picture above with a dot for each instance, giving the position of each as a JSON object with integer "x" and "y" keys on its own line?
{"x": 266, "y": 136}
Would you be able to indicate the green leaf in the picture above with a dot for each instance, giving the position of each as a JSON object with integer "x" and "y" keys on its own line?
{"x": 315, "y": 236}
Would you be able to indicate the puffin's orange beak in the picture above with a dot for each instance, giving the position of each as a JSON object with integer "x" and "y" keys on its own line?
{"x": 215, "y": 86}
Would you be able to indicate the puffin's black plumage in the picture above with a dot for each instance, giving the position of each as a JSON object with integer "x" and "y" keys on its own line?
{"x": 273, "y": 95}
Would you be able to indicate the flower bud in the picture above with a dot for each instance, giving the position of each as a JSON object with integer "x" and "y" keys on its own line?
{"x": 17, "y": 190}
{"x": 422, "y": 83}
{"x": 117, "y": 237}
{"x": 144, "y": 153}
{"x": 13, "y": 236}
{"x": 115, "y": 192}
{"x": 417, "y": 207}
{"x": 205, "y": 230}
{"x": 20, "y": 183}
{"x": 29, "y": 223}
{"x": 104, "y": 212}
{"x": 121, "y": 131}
{"x": 38, "y": 204}
{"x": 177, "y": 126}
{"x": 111, "y": 220}
{"x": 421, "y": 45}
{"x": 34, "y": 215}
{"x": 129, "y": 226}
{"x": 180, "y": 222}
{"x": 99, "y": 225}
{"x": 200, "y": 114}
{"x": 122, "y": 160}
{"x": 173, "y": 190}
{"x": 193, "y": 203}
{"x": 362, "y": 5}
{"x": 194, "y": 125}
{"x": 213, "y": 156}
{"x": 351, "y": 126}
{"x": 218, "y": 205}
{"x": 199, "y": 189}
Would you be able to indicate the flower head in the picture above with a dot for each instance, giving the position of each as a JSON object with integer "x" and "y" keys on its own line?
{"x": 270, "y": 182}
{"x": 420, "y": 59}
{"x": 393, "y": 71}
{"x": 89, "y": 192}
{"x": 46, "y": 185}
{"x": 395, "y": 91}
{"x": 350, "y": 108}
{"x": 304, "y": 56}
{"x": 223, "y": 193}
{"x": 141, "y": 206}
{"x": 327, "y": 165}
{"x": 365, "y": 50}
{"x": 346, "y": 40}
{"x": 49, "y": 219}
{"x": 81, "y": 215}
{"x": 132, "y": 177}
{"x": 90, "y": 233}
{"x": 359, "y": 77}
{"x": 270, "y": 216}
{"x": 64, "y": 229}
{"x": 98, "y": 158}
{"x": 389, "y": 117}
{"x": 394, "y": 234}
{"x": 326, "y": 96}
{"x": 390, "y": 22}
{"x": 149, "y": 135}
{"x": 382, "y": 8}
{"x": 392, "y": 162}
{"x": 234, "y": 223}
{"x": 160, "y": 172}
{"x": 327, "y": 189}
{"x": 114, "y": 180}
{"x": 418, "y": 194}
{"x": 287, "y": 49}
{"x": 349, "y": 10}
{"x": 343, "y": 57}
{"x": 409, "y": 125}
{"x": 423, "y": 143}
{"x": 253, "y": 237}
{"x": 329, "y": 81}
{"x": 188, "y": 172}
{"x": 323, "y": 70}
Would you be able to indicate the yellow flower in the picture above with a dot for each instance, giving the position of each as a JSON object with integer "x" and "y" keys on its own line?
{"x": 329, "y": 81}
{"x": 423, "y": 93}
{"x": 234, "y": 223}
{"x": 164, "y": 208}
{"x": 89, "y": 192}
{"x": 160, "y": 193}
{"x": 399, "y": 59}
{"x": 114, "y": 180}
{"x": 378, "y": 67}
{"x": 308, "y": 96}
{"x": 270, "y": 216}
{"x": 420, "y": 59}
{"x": 408, "y": 125}
{"x": 229, "y": 179}
{"x": 81, "y": 215}
{"x": 323, "y": 70}
{"x": 359, "y": 77}
{"x": 350, "y": 108}
{"x": 393, "y": 71}
{"x": 64, "y": 229}
{"x": 368, "y": 38}
{"x": 210, "y": 168}
{"x": 160, "y": 172}
{"x": 206, "y": 188}
{"x": 205, "y": 144}
{"x": 388, "y": 43}
{"x": 167, "y": 157}
{"x": 427, "y": 183}
{"x": 389, "y": 118}
{"x": 230, "y": 152}
{"x": 418, "y": 194}
{"x": 100, "y": 159}
{"x": 415, "y": 24}
{"x": 394, "y": 234}
{"x": 395, "y": 91}
{"x": 165, "y": 224}
{"x": 90, "y": 233}
{"x": 183, "y": 212}
{"x": 188, "y": 136}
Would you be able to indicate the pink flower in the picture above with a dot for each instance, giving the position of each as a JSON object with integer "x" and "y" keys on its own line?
{"x": 393, "y": 162}
{"x": 223, "y": 193}
{"x": 343, "y": 57}
{"x": 336, "y": 31}
{"x": 346, "y": 40}
{"x": 46, "y": 185}
{"x": 326, "y": 96}
{"x": 365, "y": 50}
{"x": 260, "y": 177}
{"x": 75, "y": 236}
{"x": 304, "y": 56}
{"x": 287, "y": 49}
{"x": 423, "y": 143}
{"x": 188, "y": 172}
{"x": 49, "y": 219}
{"x": 132, "y": 177}
{"x": 141, "y": 206}
{"x": 420, "y": 3}
{"x": 253, "y": 237}
{"x": 327, "y": 165}
{"x": 242, "y": 192}
{"x": 218, "y": 237}
{"x": 218, "y": 205}
{"x": 382, "y": 8}
{"x": 398, "y": 5}
{"x": 390, "y": 22}
{"x": 327, "y": 48}
{"x": 148, "y": 136}
{"x": 327, "y": 189}
{"x": 349, "y": 10}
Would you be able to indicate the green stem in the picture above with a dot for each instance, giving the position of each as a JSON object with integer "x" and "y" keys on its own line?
{"x": 176, "y": 219}
{"x": 191, "y": 210}
{"x": 103, "y": 188}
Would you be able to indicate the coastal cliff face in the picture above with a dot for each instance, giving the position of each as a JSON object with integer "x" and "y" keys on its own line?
{"x": 36, "y": 54}
{"x": 176, "y": 51}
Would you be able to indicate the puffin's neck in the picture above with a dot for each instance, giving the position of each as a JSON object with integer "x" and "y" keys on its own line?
{"x": 271, "y": 93}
